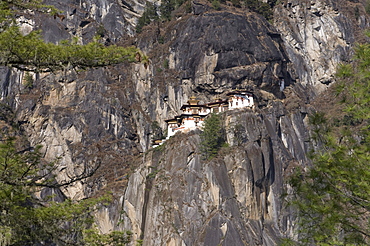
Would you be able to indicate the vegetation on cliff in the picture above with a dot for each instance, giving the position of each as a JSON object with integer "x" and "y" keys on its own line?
{"x": 332, "y": 196}
{"x": 260, "y": 7}
{"x": 149, "y": 15}
{"x": 30, "y": 218}
{"x": 212, "y": 137}
{"x": 154, "y": 13}
{"x": 30, "y": 52}
{"x": 165, "y": 11}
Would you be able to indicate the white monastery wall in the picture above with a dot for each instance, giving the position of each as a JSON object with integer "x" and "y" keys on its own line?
{"x": 240, "y": 101}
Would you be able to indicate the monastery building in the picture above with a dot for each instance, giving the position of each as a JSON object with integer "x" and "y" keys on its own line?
{"x": 193, "y": 114}
{"x": 240, "y": 99}
{"x": 192, "y": 117}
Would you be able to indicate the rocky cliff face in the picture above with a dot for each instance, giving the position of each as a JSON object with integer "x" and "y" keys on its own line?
{"x": 105, "y": 117}
{"x": 318, "y": 35}
{"x": 111, "y": 19}
{"x": 235, "y": 199}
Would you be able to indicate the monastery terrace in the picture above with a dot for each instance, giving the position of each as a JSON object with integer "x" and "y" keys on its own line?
{"x": 193, "y": 113}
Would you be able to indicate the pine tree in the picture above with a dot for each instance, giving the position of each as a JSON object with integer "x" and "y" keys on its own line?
{"x": 333, "y": 196}
{"x": 149, "y": 15}
{"x": 29, "y": 219}
{"x": 166, "y": 9}
{"x": 30, "y": 52}
{"x": 212, "y": 137}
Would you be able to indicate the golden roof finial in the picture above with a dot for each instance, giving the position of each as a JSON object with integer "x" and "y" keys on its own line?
{"x": 193, "y": 101}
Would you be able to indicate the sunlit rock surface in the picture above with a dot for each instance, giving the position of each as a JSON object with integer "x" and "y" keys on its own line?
{"x": 104, "y": 117}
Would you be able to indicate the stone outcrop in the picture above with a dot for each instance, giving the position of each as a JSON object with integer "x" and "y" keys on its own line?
{"x": 222, "y": 49}
{"x": 318, "y": 35}
{"x": 104, "y": 116}
{"x": 111, "y": 19}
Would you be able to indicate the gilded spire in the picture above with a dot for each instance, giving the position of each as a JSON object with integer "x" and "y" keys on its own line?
{"x": 193, "y": 101}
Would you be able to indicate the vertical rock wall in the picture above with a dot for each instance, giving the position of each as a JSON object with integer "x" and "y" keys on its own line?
{"x": 177, "y": 198}
{"x": 104, "y": 117}
{"x": 318, "y": 35}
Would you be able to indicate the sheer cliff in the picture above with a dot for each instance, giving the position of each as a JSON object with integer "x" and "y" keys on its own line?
{"x": 108, "y": 116}
{"x": 318, "y": 35}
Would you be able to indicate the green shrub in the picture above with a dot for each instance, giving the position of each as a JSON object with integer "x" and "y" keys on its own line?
{"x": 216, "y": 4}
{"x": 367, "y": 7}
{"x": 166, "y": 64}
{"x": 100, "y": 31}
{"x": 28, "y": 81}
{"x": 161, "y": 40}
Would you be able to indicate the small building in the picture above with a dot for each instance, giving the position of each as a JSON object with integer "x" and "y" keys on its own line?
{"x": 172, "y": 126}
{"x": 240, "y": 99}
{"x": 218, "y": 106}
{"x": 193, "y": 107}
{"x": 192, "y": 117}
{"x": 158, "y": 142}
